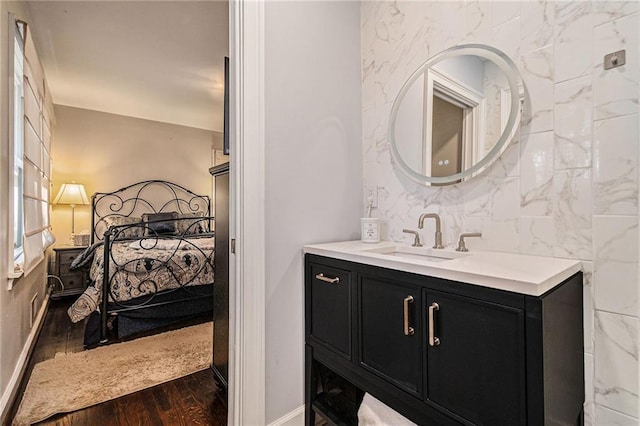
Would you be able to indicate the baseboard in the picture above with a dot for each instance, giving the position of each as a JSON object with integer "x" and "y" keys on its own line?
{"x": 294, "y": 418}
{"x": 9, "y": 394}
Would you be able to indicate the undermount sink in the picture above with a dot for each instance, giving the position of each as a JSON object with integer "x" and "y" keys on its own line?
{"x": 417, "y": 253}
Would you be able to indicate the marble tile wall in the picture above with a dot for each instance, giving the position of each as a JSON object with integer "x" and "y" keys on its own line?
{"x": 566, "y": 187}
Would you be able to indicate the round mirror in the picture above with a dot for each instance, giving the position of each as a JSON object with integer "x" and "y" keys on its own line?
{"x": 455, "y": 114}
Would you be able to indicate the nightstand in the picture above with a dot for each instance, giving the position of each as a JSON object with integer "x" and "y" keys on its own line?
{"x": 71, "y": 282}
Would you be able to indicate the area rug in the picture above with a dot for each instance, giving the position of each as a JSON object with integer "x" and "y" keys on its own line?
{"x": 82, "y": 379}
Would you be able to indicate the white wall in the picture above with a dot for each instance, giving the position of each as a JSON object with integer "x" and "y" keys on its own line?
{"x": 568, "y": 189}
{"x": 107, "y": 151}
{"x": 14, "y": 304}
{"x": 313, "y": 167}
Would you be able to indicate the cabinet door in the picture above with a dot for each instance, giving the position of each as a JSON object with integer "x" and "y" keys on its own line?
{"x": 330, "y": 319}
{"x": 221, "y": 278}
{"x": 390, "y": 332}
{"x": 476, "y": 367}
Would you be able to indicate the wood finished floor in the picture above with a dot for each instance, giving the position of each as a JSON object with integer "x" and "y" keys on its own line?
{"x": 191, "y": 400}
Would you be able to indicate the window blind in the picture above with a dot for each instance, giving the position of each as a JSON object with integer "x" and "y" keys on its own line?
{"x": 37, "y": 159}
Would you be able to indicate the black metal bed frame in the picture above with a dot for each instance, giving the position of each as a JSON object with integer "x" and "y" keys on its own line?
{"x": 128, "y": 201}
{"x": 151, "y": 196}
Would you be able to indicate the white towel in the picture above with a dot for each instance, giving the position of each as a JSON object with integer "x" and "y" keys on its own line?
{"x": 374, "y": 413}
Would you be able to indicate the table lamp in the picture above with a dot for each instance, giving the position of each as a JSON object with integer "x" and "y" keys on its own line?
{"x": 72, "y": 194}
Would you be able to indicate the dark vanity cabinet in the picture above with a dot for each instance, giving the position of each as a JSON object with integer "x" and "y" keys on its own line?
{"x": 440, "y": 352}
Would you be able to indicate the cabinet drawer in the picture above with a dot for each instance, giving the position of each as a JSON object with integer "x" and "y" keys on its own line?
{"x": 73, "y": 280}
{"x": 330, "y": 319}
{"x": 67, "y": 257}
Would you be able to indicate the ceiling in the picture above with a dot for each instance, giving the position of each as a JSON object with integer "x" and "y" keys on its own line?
{"x": 157, "y": 60}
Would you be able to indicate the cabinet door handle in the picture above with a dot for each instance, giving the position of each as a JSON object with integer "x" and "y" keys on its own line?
{"x": 433, "y": 340}
{"x": 334, "y": 280}
{"x": 408, "y": 331}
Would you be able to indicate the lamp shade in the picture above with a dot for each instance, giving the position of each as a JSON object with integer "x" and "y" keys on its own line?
{"x": 72, "y": 194}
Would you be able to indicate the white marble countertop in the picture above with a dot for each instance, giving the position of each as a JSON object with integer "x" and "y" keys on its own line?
{"x": 532, "y": 275}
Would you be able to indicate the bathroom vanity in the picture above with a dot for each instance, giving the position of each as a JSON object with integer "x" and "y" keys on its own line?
{"x": 442, "y": 337}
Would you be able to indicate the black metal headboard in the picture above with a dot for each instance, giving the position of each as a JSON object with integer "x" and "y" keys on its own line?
{"x": 150, "y": 196}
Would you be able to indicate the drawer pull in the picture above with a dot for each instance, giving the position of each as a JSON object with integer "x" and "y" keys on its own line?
{"x": 408, "y": 331}
{"x": 334, "y": 280}
{"x": 433, "y": 340}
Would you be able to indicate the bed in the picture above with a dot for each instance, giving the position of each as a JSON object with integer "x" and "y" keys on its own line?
{"x": 152, "y": 260}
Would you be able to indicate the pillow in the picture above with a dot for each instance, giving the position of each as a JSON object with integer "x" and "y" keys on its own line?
{"x": 160, "y": 223}
{"x": 85, "y": 257}
{"x": 206, "y": 243}
{"x": 127, "y": 232}
{"x": 192, "y": 223}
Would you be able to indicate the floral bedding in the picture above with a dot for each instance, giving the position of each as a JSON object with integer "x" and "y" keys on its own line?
{"x": 144, "y": 267}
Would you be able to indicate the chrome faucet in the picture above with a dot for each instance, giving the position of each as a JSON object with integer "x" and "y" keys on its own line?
{"x": 438, "y": 239}
{"x": 416, "y": 240}
{"x": 461, "y": 245}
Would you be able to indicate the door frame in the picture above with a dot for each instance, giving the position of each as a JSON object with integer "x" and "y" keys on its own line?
{"x": 247, "y": 376}
{"x": 443, "y": 85}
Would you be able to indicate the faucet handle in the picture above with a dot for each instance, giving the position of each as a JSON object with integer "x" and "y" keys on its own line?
{"x": 461, "y": 244}
{"x": 416, "y": 240}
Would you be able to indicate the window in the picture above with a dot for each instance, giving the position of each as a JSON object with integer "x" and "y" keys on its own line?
{"x": 29, "y": 154}
{"x": 18, "y": 143}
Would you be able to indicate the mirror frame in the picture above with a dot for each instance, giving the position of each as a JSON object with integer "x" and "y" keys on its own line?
{"x": 514, "y": 79}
